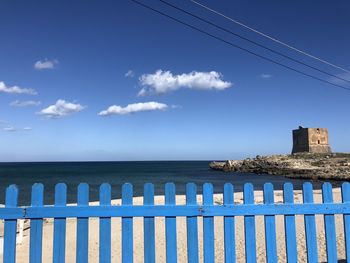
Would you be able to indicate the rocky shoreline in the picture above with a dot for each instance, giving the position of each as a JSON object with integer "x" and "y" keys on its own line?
{"x": 334, "y": 166}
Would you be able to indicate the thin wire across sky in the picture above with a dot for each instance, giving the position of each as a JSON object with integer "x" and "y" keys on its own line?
{"x": 270, "y": 37}
{"x": 254, "y": 42}
{"x": 243, "y": 48}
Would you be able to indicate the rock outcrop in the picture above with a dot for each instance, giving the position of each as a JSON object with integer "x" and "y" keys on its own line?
{"x": 334, "y": 166}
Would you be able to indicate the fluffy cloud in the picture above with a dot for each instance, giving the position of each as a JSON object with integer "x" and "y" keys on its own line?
{"x": 265, "y": 76}
{"x": 61, "y": 109}
{"x": 27, "y": 128}
{"x": 129, "y": 74}
{"x": 133, "y": 108}
{"x": 164, "y": 81}
{"x": 45, "y": 64}
{"x": 26, "y": 103}
{"x": 15, "y": 89}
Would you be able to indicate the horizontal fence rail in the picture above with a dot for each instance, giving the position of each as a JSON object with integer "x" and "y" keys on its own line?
{"x": 168, "y": 210}
{"x": 105, "y": 211}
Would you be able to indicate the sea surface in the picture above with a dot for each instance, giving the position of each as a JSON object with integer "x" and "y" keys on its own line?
{"x": 24, "y": 175}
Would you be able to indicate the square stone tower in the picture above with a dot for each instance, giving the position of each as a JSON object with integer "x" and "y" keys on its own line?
{"x": 312, "y": 140}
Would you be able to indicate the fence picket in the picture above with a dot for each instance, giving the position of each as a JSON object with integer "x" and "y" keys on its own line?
{"x": 289, "y": 225}
{"x": 10, "y": 226}
{"x": 170, "y": 225}
{"x": 10, "y": 213}
{"x": 82, "y": 248}
{"x": 208, "y": 225}
{"x": 270, "y": 226}
{"x": 36, "y": 226}
{"x": 345, "y": 191}
{"x": 229, "y": 226}
{"x": 148, "y": 223}
{"x": 191, "y": 225}
{"x": 329, "y": 222}
{"x": 127, "y": 225}
{"x": 310, "y": 225}
{"x": 105, "y": 225}
{"x": 249, "y": 225}
{"x": 59, "y": 236}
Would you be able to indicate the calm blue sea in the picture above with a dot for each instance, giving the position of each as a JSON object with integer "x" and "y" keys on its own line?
{"x": 117, "y": 173}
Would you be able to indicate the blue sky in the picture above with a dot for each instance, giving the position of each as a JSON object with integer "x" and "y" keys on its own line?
{"x": 201, "y": 99}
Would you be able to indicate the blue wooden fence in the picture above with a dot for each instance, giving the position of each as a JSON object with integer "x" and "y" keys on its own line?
{"x": 192, "y": 210}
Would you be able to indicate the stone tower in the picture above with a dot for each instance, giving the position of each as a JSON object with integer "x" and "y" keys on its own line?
{"x": 312, "y": 140}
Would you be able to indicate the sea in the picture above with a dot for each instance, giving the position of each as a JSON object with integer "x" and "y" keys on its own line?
{"x": 24, "y": 175}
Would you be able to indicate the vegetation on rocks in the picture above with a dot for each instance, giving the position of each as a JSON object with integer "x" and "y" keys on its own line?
{"x": 334, "y": 166}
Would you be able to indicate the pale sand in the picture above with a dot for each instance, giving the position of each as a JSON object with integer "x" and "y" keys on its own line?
{"x": 23, "y": 249}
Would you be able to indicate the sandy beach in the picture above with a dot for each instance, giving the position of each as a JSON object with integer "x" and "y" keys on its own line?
{"x": 23, "y": 249}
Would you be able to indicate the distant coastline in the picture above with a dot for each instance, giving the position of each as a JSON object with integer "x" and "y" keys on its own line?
{"x": 333, "y": 166}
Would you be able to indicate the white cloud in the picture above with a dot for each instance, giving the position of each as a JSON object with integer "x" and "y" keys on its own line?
{"x": 15, "y": 89}
{"x": 265, "y": 76}
{"x": 45, "y": 64}
{"x": 13, "y": 129}
{"x": 9, "y": 129}
{"x": 26, "y": 103}
{"x": 129, "y": 74}
{"x": 164, "y": 81}
{"x": 61, "y": 109}
{"x": 133, "y": 108}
